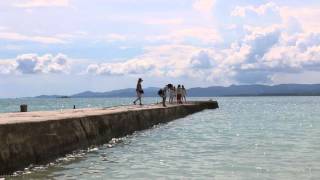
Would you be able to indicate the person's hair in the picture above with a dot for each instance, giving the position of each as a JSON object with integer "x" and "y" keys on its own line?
{"x": 139, "y": 80}
{"x": 182, "y": 86}
{"x": 169, "y": 85}
{"x": 179, "y": 86}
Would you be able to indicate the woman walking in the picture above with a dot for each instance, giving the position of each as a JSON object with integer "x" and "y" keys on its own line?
{"x": 139, "y": 91}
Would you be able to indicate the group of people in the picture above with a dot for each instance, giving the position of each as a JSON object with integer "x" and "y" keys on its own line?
{"x": 176, "y": 94}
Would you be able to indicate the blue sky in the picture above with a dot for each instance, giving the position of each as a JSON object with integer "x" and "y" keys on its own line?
{"x": 68, "y": 46}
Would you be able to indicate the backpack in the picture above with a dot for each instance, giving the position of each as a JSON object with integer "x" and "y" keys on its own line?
{"x": 160, "y": 92}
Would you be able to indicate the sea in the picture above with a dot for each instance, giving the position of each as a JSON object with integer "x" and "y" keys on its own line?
{"x": 246, "y": 138}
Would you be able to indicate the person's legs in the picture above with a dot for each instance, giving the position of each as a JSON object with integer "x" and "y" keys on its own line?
{"x": 179, "y": 99}
{"x": 164, "y": 101}
{"x": 138, "y": 98}
{"x": 134, "y": 102}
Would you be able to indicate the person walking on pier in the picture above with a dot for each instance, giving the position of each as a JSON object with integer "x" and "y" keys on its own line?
{"x": 139, "y": 91}
{"x": 163, "y": 93}
{"x": 184, "y": 94}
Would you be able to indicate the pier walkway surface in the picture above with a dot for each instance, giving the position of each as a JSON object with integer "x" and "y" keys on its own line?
{"x": 40, "y": 137}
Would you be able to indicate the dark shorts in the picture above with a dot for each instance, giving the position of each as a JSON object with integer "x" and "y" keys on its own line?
{"x": 179, "y": 97}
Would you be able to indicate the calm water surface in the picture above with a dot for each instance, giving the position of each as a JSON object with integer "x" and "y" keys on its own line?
{"x": 246, "y": 138}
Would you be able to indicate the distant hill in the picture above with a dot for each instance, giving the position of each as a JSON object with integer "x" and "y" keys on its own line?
{"x": 52, "y": 96}
{"x": 129, "y": 92}
{"x": 258, "y": 90}
{"x": 233, "y": 90}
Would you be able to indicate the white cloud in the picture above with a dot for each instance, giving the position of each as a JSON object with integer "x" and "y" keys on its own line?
{"x": 202, "y": 34}
{"x": 114, "y": 37}
{"x": 42, "y": 3}
{"x": 40, "y": 39}
{"x": 270, "y": 51}
{"x": 306, "y": 17}
{"x": 257, "y": 58}
{"x": 260, "y": 10}
{"x": 76, "y": 34}
{"x": 303, "y": 55}
{"x": 202, "y": 60}
{"x": 32, "y": 64}
{"x": 7, "y": 66}
{"x": 204, "y": 6}
{"x": 166, "y": 60}
{"x": 290, "y": 47}
{"x": 134, "y": 66}
{"x": 173, "y": 21}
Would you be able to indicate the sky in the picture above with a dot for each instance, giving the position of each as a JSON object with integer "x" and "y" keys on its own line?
{"x": 70, "y": 46}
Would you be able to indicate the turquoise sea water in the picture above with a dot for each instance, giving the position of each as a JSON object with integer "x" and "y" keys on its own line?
{"x": 246, "y": 138}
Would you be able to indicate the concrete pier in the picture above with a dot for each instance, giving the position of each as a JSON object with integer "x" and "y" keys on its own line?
{"x": 40, "y": 137}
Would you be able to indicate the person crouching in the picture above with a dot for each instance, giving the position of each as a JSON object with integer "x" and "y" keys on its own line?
{"x": 163, "y": 93}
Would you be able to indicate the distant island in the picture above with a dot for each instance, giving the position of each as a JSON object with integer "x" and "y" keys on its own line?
{"x": 233, "y": 90}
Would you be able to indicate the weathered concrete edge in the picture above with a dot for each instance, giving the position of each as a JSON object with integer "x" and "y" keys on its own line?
{"x": 38, "y": 143}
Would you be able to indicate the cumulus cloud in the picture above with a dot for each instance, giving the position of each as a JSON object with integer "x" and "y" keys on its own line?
{"x": 241, "y": 11}
{"x": 305, "y": 17}
{"x": 39, "y": 39}
{"x": 256, "y": 58}
{"x": 134, "y": 66}
{"x": 200, "y": 34}
{"x": 292, "y": 46}
{"x": 299, "y": 18}
{"x": 7, "y": 67}
{"x": 42, "y": 3}
{"x": 33, "y": 64}
{"x": 278, "y": 54}
{"x": 202, "y": 60}
{"x": 260, "y": 41}
{"x": 304, "y": 55}
{"x": 166, "y": 60}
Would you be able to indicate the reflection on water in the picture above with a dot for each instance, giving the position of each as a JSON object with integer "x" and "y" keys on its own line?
{"x": 246, "y": 138}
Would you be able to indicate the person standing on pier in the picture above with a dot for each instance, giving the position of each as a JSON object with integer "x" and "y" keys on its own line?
{"x": 179, "y": 94}
{"x": 139, "y": 91}
{"x": 184, "y": 94}
{"x": 172, "y": 95}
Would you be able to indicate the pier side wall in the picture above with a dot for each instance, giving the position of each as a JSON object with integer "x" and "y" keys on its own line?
{"x": 22, "y": 144}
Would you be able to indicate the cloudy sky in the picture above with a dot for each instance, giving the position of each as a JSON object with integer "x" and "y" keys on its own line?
{"x": 68, "y": 46}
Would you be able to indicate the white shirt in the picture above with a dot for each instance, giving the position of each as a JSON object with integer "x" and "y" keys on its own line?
{"x": 165, "y": 89}
{"x": 184, "y": 92}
